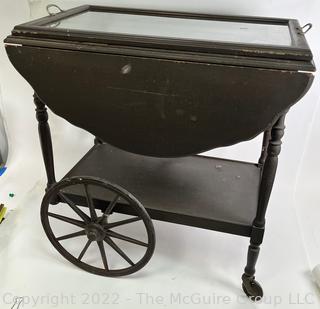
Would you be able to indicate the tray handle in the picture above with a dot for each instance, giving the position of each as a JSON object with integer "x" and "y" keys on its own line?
{"x": 306, "y": 28}
{"x": 50, "y": 12}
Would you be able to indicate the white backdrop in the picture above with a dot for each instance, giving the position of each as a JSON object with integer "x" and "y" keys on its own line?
{"x": 298, "y": 173}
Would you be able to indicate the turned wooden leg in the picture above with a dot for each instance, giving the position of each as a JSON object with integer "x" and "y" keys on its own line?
{"x": 265, "y": 143}
{"x": 45, "y": 140}
{"x": 252, "y": 257}
{"x": 269, "y": 162}
{"x": 249, "y": 285}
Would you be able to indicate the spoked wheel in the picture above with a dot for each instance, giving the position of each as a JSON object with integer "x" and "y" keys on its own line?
{"x": 90, "y": 237}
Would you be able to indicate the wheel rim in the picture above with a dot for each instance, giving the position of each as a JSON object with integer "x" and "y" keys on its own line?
{"x": 97, "y": 228}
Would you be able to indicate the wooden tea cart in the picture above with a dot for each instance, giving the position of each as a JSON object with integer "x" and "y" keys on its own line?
{"x": 156, "y": 89}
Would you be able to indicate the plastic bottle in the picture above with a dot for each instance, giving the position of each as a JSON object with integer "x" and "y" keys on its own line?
{"x": 3, "y": 138}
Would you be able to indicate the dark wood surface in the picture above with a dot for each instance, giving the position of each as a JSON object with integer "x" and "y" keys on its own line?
{"x": 159, "y": 107}
{"x": 198, "y": 191}
{"x": 148, "y": 52}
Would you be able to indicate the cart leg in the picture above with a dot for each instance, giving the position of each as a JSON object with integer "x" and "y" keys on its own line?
{"x": 249, "y": 285}
{"x": 98, "y": 141}
{"x": 270, "y": 161}
{"x": 45, "y": 139}
{"x": 265, "y": 143}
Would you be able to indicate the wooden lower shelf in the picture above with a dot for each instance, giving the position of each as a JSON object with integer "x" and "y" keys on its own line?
{"x": 198, "y": 191}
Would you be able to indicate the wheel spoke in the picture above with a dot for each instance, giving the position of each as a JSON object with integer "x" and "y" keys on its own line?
{"x": 75, "y": 208}
{"x": 103, "y": 254}
{"x": 126, "y": 238}
{"x": 84, "y": 250}
{"x": 122, "y": 222}
{"x": 93, "y": 213}
{"x": 67, "y": 219}
{"x": 114, "y": 246}
{"x": 72, "y": 235}
{"x": 111, "y": 205}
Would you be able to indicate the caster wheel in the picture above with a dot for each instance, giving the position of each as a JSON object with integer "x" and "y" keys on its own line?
{"x": 252, "y": 289}
{"x": 89, "y": 237}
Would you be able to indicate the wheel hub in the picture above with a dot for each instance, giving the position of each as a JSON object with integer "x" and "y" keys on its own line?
{"x": 95, "y": 232}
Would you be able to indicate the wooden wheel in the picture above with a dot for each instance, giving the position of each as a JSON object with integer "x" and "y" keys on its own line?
{"x": 96, "y": 229}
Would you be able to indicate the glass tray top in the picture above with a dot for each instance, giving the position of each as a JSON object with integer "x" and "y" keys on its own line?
{"x": 170, "y": 32}
{"x": 178, "y": 28}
